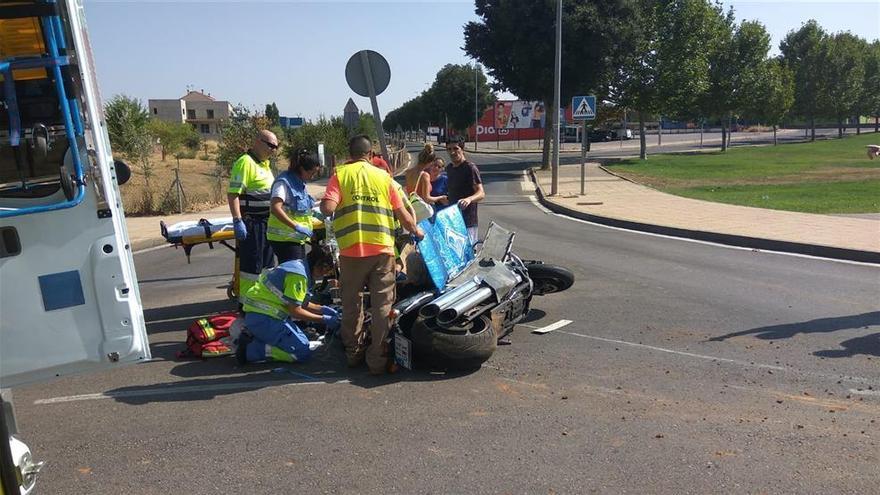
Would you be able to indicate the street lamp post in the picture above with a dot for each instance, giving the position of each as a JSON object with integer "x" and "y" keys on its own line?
{"x": 476, "y": 106}
{"x": 554, "y": 184}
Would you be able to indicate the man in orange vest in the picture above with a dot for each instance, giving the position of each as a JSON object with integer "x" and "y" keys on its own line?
{"x": 364, "y": 204}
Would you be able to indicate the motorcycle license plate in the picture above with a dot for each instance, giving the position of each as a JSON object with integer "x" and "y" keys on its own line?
{"x": 403, "y": 351}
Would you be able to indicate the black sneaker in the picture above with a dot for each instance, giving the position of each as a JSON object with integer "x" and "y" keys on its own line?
{"x": 241, "y": 349}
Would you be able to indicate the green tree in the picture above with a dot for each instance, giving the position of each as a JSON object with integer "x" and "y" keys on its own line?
{"x": 802, "y": 53}
{"x": 273, "y": 115}
{"x": 635, "y": 83}
{"x": 686, "y": 37}
{"x": 411, "y": 115}
{"x": 870, "y": 102}
{"x": 367, "y": 126}
{"x": 452, "y": 95}
{"x": 734, "y": 65}
{"x": 172, "y": 136}
{"x": 127, "y": 121}
{"x": 237, "y": 136}
{"x": 770, "y": 94}
{"x": 331, "y": 132}
{"x": 127, "y": 125}
{"x": 842, "y": 76}
{"x": 515, "y": 41}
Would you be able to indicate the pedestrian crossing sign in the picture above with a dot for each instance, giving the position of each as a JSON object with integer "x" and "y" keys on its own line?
{"x": 583, "y": 107}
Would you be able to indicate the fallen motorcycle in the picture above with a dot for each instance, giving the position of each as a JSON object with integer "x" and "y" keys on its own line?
{"x": 459, "y": 327}
{"x": 473, "y": 297}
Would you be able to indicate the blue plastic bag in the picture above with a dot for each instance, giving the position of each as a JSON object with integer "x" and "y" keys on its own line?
{"x": 446, "y": 248}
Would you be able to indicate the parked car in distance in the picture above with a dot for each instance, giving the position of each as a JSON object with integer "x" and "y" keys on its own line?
{"x": 622, "y": 134}
{"x": 600, "y": 135}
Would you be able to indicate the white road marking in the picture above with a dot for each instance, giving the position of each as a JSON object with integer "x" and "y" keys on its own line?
{"x": 172, "y": 390}
{"x": 680, "y": 353}
{"x": 541, "y": 207}
{"x": 872, "y": 393}
{"x": 553, "y": 326}
{"x": 739, "y": 362}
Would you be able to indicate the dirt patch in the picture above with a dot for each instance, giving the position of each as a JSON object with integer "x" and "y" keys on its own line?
{"x": 202, "y": 188}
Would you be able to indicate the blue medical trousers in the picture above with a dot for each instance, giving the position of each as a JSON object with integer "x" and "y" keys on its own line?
{"x": 289, "y": 342}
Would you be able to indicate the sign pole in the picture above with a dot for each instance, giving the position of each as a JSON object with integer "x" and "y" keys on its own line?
{"x": 583, "y": 157}
{"x": 583, "y": 108}
{"x": 476, "y": 107}
{"x": 557, "y": 76}
{"x": 368, "y": 75}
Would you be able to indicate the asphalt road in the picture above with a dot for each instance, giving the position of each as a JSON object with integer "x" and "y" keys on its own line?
{"x": 686, "y": 368}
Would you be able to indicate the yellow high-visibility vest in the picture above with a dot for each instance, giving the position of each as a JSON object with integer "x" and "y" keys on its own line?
{"x": 364, "y": 214}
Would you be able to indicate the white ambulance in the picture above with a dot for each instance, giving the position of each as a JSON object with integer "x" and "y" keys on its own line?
{"x": 69, "y": 300}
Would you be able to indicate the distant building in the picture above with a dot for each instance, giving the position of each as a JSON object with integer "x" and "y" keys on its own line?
{"x": 290, "y": 122}
{"x": 197, "y": 109}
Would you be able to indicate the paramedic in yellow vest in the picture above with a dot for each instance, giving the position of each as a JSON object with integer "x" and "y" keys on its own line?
{"x": 290, "y": 220}
{"x": 250, "y": 184}
{"x": 365, "y": 205}
{"x": 274, "y": 304}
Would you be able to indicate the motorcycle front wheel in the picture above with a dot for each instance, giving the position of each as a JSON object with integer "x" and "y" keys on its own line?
{"x": 548, "y": 279}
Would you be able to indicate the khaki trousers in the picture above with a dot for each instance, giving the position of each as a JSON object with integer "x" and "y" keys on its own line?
{"x": 378, "y": 274}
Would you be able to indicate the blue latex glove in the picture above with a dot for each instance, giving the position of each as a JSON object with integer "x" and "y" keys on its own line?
{"x": 331, "y": 322}
{"x": 303, "y": 230}
{"x": 329, "y": 311}
{"x": 240, "y": 229}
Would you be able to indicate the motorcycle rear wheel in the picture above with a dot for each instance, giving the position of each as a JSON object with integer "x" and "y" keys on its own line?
{"x": 465, "y": 349}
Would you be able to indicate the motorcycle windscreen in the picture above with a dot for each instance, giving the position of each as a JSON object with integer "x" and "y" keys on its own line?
{"x": 69, "y": 301}
{"x": 446, "y": 248}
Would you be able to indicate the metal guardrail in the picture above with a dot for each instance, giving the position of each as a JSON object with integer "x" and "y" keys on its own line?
{"x": 400, "y": 159}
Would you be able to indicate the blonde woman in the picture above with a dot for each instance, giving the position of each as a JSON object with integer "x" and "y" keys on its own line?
{"x": 418, "y": 178}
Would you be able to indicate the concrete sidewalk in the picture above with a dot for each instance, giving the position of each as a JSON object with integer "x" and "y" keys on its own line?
{"x": 144, "y": 232}
{"x": 614, "y": 201}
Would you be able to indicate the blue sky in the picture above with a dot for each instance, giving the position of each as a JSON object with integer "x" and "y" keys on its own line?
{"x": 294, "y": 52}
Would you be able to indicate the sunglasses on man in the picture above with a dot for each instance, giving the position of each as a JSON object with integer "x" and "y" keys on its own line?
{"x": 269, "y": 144}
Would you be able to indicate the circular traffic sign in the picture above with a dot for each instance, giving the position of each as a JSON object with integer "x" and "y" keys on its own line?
{"x": 364, "y": 64}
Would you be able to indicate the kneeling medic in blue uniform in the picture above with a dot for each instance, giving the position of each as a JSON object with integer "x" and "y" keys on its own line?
{"x": 271, "y": 306}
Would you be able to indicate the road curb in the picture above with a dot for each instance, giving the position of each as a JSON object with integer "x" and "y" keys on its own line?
{"x": 719, "y": 238}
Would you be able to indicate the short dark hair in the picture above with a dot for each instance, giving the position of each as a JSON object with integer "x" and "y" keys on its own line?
{"x": 457, "y": 141}
{"x": 302, "y": 159}
{"x": 317, "y": 257}
{"x": 359, "y": 146}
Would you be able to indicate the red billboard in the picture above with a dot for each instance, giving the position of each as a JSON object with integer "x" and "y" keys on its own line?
{"x": 512, "y": 121}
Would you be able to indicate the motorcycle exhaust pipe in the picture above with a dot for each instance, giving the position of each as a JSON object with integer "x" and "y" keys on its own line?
{"x": 463, "y": 305}
{"x": 522, "y": 288}
{"x": 434, "y": 308}
{"x": 412, "y": 302}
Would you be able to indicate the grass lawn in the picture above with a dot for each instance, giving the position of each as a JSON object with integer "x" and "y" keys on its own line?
{"x": 831, "y": 176}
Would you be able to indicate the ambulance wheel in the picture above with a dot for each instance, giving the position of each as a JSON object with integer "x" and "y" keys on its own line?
{"x": 548, "y": 279}
{"x": 465, "y": 348}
